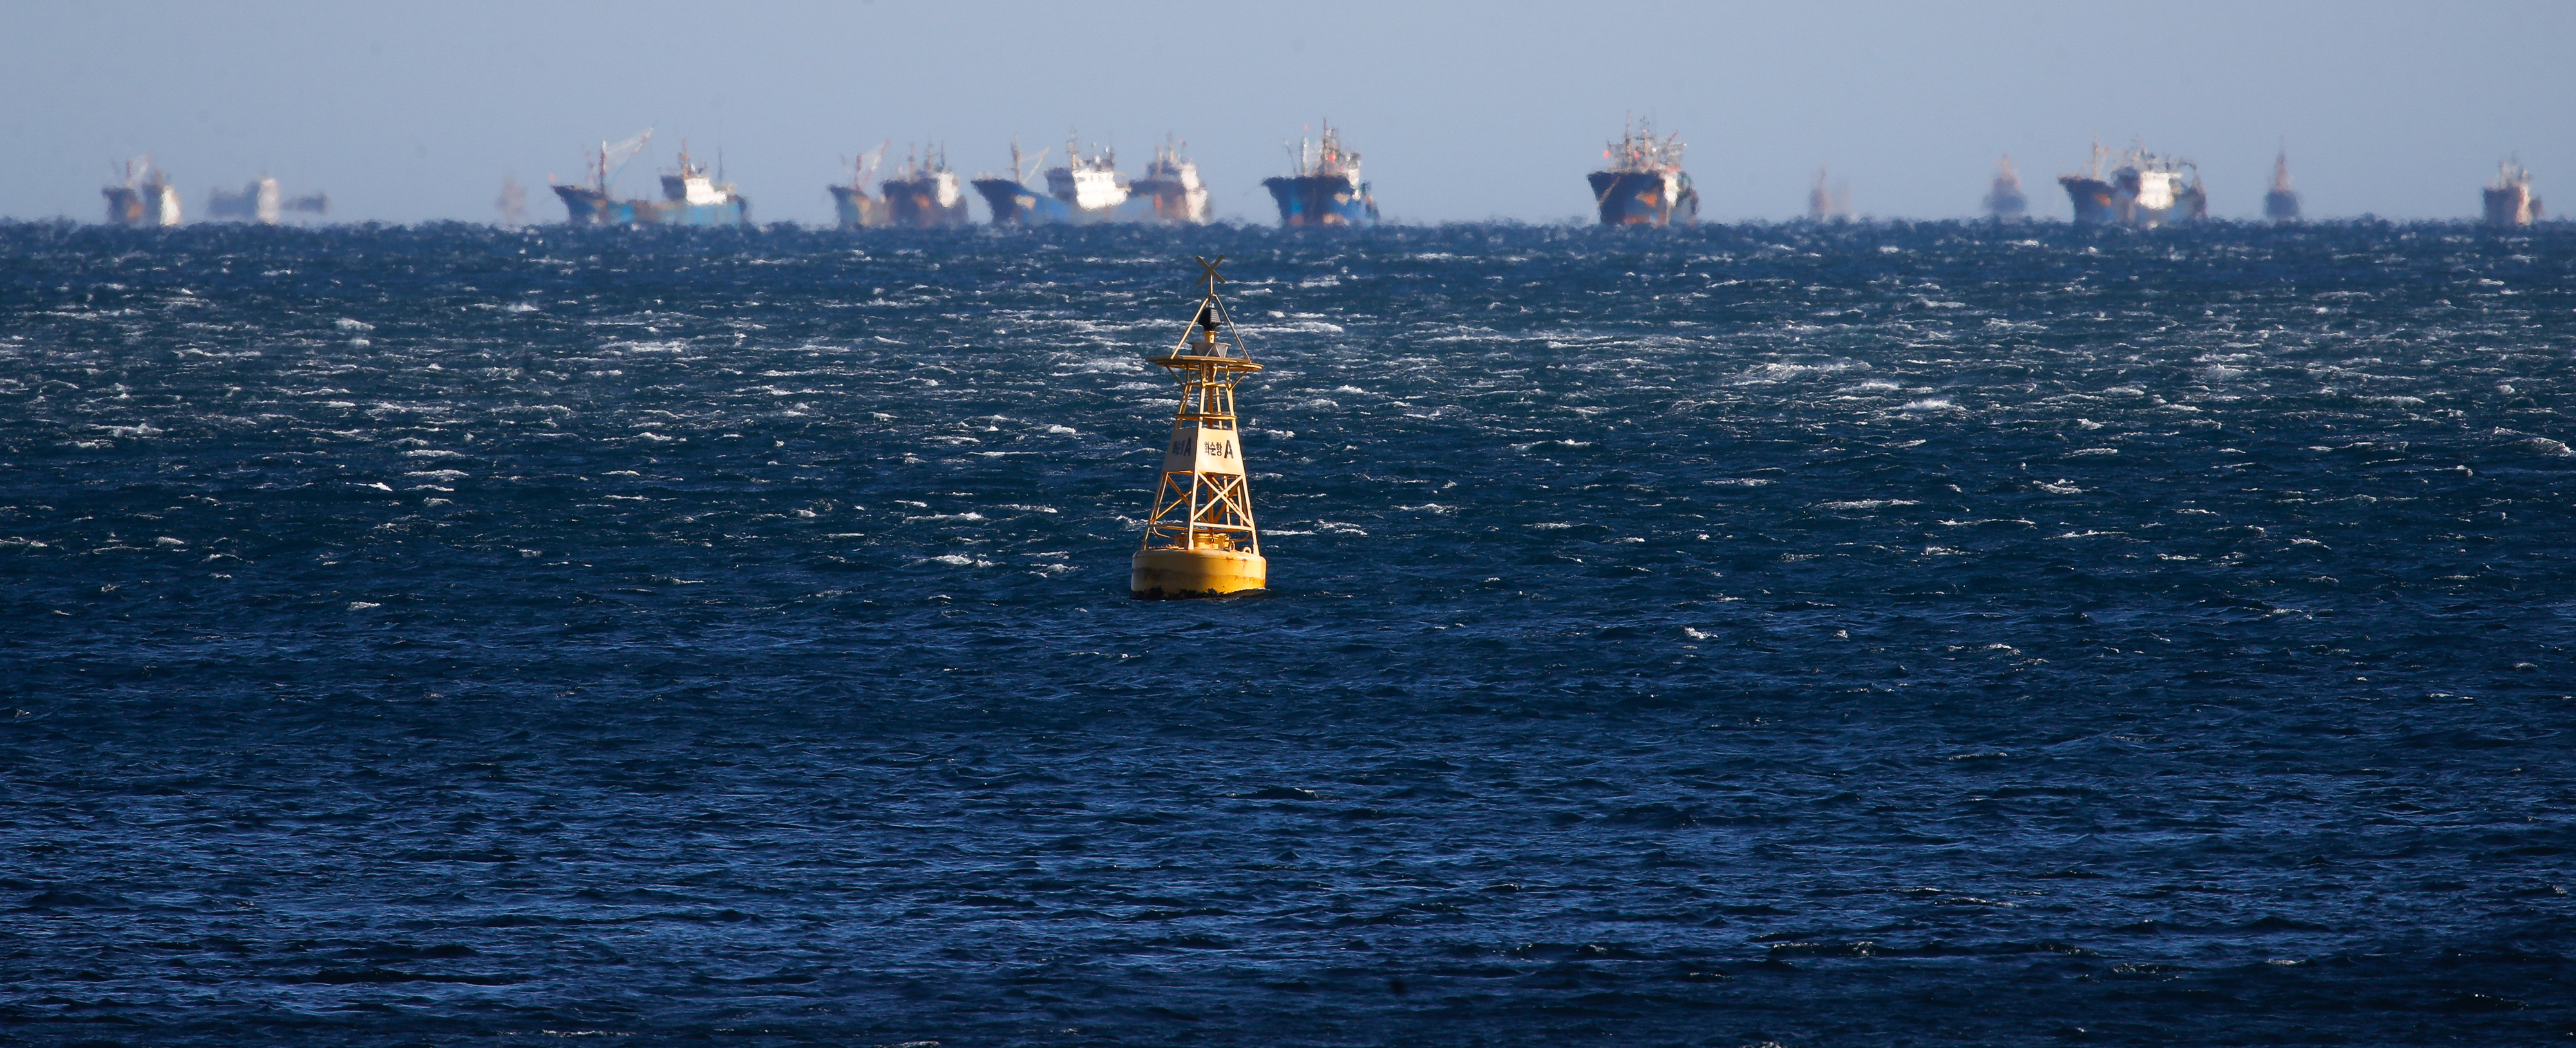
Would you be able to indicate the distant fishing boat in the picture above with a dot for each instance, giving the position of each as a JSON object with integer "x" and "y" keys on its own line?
{"x": 1325, "y": 189}
{"x": 2281, "y": 203}
{"x": 262, "y": 202}
{"x": 856, "y": 208}
{"x": 1082, "y": 191}
{"x": 1829, "y": 204}
{"x": 2004, "y": 199}
{"x": 2508, "y": 198}
{"x": 1171, "y": 184}
{"x": 689, "y": 197}
{"x": 145, "y": 198}
{"x": 1011, "y": 200}
{"x": 1643, "y": 183}
{"x": 2145, "y": 190}
{"x": 591, "y": 205}
{"x": 925, "y": 194}
{"x": 512, "y": 203}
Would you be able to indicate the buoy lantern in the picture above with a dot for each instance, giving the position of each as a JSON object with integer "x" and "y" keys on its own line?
{"x": 1199, "y": 536}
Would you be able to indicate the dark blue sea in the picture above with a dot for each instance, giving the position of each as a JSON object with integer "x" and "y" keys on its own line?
{"x": 1868, "y": 635}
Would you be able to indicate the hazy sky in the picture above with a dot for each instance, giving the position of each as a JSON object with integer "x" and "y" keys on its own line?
{"x": 1461, "y": 112}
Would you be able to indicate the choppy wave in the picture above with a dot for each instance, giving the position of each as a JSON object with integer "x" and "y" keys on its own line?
{"x": 1718, "y": 636}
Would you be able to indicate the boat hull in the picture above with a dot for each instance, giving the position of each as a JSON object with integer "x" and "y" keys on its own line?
{"x": 2511, "y": 206}
{"x": 1645, "y": 198}
{"x": 1014, "y": 204}
{"x": 1322, "y": 200}
{"x": 856, "y": 208}
{"x": 589, "y": 207}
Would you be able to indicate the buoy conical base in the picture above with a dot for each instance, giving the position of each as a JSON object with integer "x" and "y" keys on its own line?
{"x": 1171, "y": 574}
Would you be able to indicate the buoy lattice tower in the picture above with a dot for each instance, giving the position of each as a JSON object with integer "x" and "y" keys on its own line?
{"x": 1199, "y": 537}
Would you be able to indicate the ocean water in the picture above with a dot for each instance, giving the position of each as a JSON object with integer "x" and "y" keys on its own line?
{"x": 1882, "y": 634}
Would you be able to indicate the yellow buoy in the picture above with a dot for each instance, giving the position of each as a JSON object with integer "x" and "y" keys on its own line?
{"x": 1199, "y": 537}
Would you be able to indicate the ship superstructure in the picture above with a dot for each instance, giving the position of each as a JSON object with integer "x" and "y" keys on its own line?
{"x": 1325, "y": 189}
{"x": 262, "y": 202}
{"x": 145, "y": 198}
{"x": 2140, "y": 189}
{"x": 855, "y": 206}
{"x": 2508, "y": 198}
{"x": 924, "y": 193}
{"x": 2281, "y": 203}
{"x": 1171, "y": 185}
{"x": 2004, "y": 200}
{"x": 1643, "y": 183}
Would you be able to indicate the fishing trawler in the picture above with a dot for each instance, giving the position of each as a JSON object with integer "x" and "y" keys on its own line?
{"x": 1829, "y": 204}
{"x": 145, "y": 198}
{"x": 512, "y": 203}
{"x": 261, "y": 202}
{"x": 1326, "y": 189}
{"x": 1644, "y": 185}
{"x": 1088, "y": 187}
{"x": 1082, "y": 191}
{"x": 856, "y": 208}
{"x": 1011, "y": 200}
{"x": 2281, "y": 203}
{"x": 2004, "y": 199}
{"x": 591, "y": 205}
{"x": 925, "y": 194}
{"x": 2146, "y": 190}
{"x": 2508, "y": 198}
{"x": 1171, "y": 184}
{"x": 689, "y": 197}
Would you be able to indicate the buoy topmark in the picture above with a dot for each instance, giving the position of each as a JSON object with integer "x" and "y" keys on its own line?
{"x": 1199, "y": 536}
